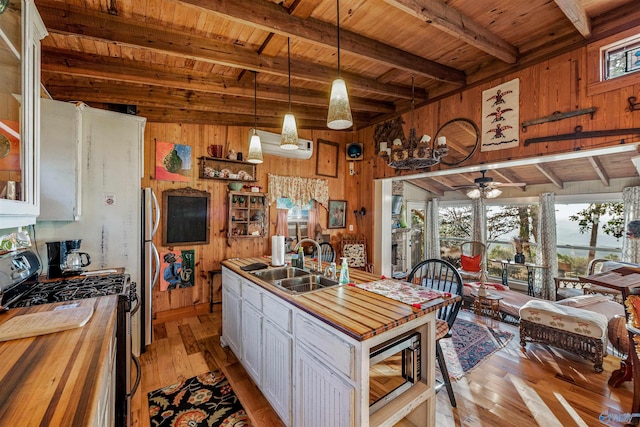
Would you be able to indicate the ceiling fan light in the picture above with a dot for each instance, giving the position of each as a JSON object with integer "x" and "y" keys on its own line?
{"x": 474, "y": 194}
{"x": 289, "y": 136}
{"x": 493, "y": 193}
{"x": 339, "y": 116}
{"x": 255, "y": 149}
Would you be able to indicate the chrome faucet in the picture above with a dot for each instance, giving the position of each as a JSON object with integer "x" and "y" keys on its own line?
{"x": 319, "y": 251}
{"x": 331, "y": 271}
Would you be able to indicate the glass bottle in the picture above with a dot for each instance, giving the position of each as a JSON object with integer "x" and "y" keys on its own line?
{"x": 300, "y": 257}
{"x": 344, "y": 272}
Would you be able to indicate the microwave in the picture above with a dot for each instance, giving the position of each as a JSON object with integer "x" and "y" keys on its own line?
{"x": 394, "y": 367}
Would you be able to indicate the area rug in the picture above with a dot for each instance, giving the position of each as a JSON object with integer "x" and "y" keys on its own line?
{"x": 204, "y": 400}
{"x": 470, "y": 344}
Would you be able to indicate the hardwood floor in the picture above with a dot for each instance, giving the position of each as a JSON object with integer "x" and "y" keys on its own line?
{"x": 542, "y": 386}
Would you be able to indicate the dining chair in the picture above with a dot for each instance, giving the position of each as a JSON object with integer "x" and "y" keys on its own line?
{"x": 472, "y": 260}
{"x": 443, "y": 276}
{"x": 327, "y": 252}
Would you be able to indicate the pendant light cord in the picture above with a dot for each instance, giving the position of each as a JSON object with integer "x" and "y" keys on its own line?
{"x": 255, "y": 101}
{"x": 338, "y": 21}
{"x": 289, "y": 68}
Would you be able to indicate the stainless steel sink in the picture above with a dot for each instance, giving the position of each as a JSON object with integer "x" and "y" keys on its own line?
{"x": 274, "y": 274}
{"x": 312, "y": 282}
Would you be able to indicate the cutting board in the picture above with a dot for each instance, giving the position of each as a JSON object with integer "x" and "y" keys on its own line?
{"x": 46, "y": 322}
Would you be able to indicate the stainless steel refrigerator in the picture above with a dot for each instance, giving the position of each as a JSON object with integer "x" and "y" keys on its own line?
{"x": 150, "y": 263}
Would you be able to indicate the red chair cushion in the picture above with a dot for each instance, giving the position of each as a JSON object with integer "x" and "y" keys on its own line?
{"x": 470, "y": 263}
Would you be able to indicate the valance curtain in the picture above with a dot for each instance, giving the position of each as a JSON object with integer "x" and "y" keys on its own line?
{"x": 433, "y": 229}
{"x": 631, "y": 201}
{"x": 546, "y": 253}
{"x": 299, "y": 190}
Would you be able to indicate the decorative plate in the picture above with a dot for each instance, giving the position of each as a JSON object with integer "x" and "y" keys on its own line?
{"x": 224, "y": 173}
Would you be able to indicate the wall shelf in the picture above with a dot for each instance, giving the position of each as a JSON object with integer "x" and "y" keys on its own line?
{"x": 248, "y": 214}
{"x": 226, "y": 170}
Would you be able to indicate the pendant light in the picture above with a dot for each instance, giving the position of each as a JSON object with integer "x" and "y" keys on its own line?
{"x": 255, "y": 147}
{"x": 289, "y": 136}
{"x": 339, "y": 116}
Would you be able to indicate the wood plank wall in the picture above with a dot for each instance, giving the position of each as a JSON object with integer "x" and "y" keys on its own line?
{"x": 208, "y": 257}
{"x": 559, "y": 84}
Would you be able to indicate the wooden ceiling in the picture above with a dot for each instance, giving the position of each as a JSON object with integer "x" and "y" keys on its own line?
{"x": 192, "y": 61}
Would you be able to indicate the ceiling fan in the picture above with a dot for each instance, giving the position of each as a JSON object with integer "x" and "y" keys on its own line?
{"x": 485, "y": 187}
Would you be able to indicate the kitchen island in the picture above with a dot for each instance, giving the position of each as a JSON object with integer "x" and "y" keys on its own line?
{"x": 64, "y": 378}
{"x": 309, "y": 353}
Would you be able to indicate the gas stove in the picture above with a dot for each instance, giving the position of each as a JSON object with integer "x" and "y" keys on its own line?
{"x": 28, "y": 294}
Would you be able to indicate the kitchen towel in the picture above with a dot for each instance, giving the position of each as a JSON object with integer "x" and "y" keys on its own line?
{"x": 277, "y": 251}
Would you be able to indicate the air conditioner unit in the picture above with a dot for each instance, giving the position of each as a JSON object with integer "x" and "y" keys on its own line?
{"x": 271, "y": 145}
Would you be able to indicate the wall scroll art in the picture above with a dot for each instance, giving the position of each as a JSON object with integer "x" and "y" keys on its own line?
{"x": 501, "y": 116}
{"x": 173, "y": 162}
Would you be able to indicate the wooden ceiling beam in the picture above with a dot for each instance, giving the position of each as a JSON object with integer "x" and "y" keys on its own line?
{"x": 92, "y": 90}
{"x": 577, "y": 15}
{"x": 444, "y": 182}
{"x": 506, "y": 177}
{"x": 462, "y": 27}
{"x": 64, "y": 19}
{"x": 71, "y": 63}
{"x": 172, "y": 115}
{"x": 272, "y": 17}
{"x": 550, "y": 175}
{"x": 421, "y": 183}
{"x": 600, "y": 170}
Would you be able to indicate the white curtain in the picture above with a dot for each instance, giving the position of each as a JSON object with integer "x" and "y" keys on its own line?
{"x": 631, "y": 201}
{"x": 433, "y": 229}
{"x": 546, "y": 253}
{"x": 478, "y": 221}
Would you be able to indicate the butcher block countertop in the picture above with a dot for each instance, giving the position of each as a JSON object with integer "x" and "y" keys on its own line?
{"x": 55, "y": 379}
{"x": 358, "y": 313}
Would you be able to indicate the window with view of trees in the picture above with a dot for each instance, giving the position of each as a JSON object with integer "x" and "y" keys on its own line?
{"x": 622, "y": 58}
{"x": 584, "y": 232}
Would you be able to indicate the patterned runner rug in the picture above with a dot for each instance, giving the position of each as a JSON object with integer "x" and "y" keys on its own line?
{"x": 470, "y": 344}
{"x": 204, "y": 400}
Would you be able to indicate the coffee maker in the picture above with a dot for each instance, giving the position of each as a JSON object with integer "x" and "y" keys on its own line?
{"x": 65, "y": 258}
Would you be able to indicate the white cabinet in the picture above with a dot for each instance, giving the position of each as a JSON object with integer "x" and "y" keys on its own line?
{"x": 21, "y": 30}
{"x": 231, "y": 311}
{"x": 277, "y": 344}
{"x": 60, "y": 161}
{"x": 252, "y": 341}
{"x": 323, "y": 397}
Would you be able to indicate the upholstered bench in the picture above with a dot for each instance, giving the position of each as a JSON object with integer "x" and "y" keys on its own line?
{"x": 576, "y": 330}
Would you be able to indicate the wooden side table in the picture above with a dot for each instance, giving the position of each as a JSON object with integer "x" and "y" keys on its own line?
{"x": 488, "y": 305}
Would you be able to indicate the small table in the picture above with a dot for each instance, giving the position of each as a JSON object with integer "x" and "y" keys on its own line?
{"x": 530, "y": 272}
{"x": 486, "y": 305}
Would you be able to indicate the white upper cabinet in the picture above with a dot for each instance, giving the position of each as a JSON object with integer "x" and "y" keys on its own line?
{"x": 21, "y": 30}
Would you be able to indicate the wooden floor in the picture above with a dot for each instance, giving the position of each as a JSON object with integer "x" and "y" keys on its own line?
{"x": 542, "y": 386}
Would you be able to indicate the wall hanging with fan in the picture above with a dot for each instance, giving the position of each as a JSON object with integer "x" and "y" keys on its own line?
{"x": 486, "y": 187}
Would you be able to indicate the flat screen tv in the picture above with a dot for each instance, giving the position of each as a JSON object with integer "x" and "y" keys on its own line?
{"x": 396, "y": 205}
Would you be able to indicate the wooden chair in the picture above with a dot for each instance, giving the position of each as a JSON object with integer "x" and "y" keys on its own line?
{"x": 327, "y": 252}
{"x": 355, "y": 250}
{"x": 441, "y": 275}
{"x": 472, "y": 260}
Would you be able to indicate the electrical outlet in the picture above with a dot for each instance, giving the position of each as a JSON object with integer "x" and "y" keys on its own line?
{"x": 350, "y": 227}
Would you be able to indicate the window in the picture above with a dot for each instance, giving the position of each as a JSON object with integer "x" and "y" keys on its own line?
{"x": 578, "y": 241}
{"x": 621, "y": 59}
{"x": 297, "y": 217}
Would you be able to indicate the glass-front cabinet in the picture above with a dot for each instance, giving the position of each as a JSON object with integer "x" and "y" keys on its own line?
{"x": 21, "y": 30}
